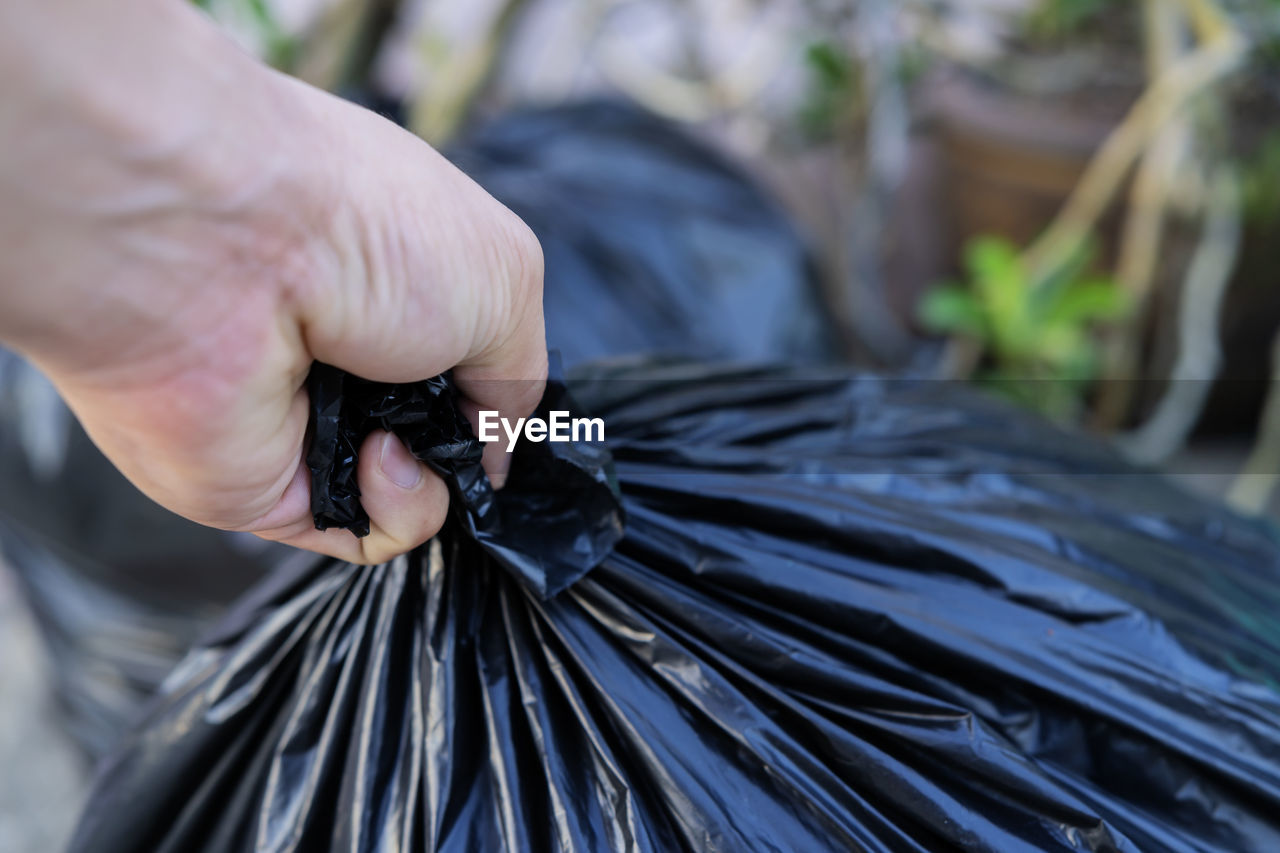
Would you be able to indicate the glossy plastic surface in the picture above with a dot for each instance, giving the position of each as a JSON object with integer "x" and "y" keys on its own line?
{"x": 846, "y": 614}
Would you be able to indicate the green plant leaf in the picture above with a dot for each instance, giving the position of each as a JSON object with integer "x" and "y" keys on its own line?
{"x": 1069, "y": 271}
{"x": 952, "y": 309}
{"x": 1037, "y": 337}
{"x": 1091, "y": 301}
{"x": 1000, "y": 283}
{"x": 990, "y": 257}
{"x": 833, "y": 96}
{"x": 829, "y": 63}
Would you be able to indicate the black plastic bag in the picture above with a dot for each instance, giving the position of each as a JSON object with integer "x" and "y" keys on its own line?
{"x": 846, "y": 614}
{"x": 654, "y": 242}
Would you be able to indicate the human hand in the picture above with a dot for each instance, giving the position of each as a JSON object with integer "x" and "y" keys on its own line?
{"x": 183, "y": 231}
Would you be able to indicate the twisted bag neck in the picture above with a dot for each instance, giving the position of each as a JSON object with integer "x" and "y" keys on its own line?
{"x": 557, "y": 518}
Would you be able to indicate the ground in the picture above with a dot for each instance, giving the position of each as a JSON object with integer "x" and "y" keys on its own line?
{"x": 42, "y": 779}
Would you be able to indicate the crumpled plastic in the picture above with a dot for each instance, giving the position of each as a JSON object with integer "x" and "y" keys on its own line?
{"x": 846, "y": 614}
{"x": 558, "y": 517}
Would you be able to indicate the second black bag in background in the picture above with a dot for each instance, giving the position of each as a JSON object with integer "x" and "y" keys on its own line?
{"x": 655, "y": 243}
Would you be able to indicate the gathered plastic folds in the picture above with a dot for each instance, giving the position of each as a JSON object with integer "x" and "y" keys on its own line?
{"x": 780, "y": 612}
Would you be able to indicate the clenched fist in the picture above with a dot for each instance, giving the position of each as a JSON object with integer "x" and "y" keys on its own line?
{"x": 183, "y": 231}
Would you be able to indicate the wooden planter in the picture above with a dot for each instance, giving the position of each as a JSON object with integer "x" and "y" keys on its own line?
{"x": 1008, "y": 161}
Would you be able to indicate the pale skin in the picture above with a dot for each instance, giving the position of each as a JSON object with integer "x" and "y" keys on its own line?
{"x": 183, "y": 231}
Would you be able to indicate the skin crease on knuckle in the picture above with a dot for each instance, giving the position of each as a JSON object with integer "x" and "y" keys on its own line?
{"x": 522, "y": 267}
{"x": 525, "y": 317}
{"x": 509, "y": 370}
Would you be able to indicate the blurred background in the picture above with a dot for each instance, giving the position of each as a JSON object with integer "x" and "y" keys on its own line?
{"x": 1070, "y": 202}
{"x": 1074, "y": 204}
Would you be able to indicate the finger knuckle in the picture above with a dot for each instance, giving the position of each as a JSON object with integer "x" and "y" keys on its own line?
{"x": 525, "y": 260}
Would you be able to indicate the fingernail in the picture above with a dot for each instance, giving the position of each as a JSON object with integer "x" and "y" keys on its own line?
{"x": 397, "y": 465}
{"x": 499, "y": 478}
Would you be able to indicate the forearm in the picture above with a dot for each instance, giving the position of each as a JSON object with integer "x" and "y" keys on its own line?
{"x": 137, "y": 118}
